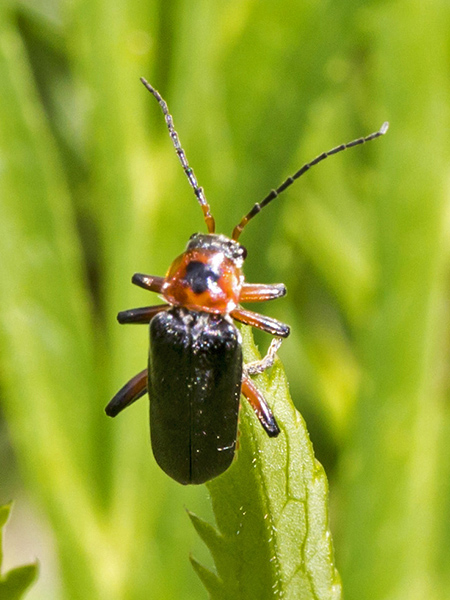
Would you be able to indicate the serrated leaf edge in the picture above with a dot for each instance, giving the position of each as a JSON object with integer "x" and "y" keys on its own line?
{"x": 210, "y": 579}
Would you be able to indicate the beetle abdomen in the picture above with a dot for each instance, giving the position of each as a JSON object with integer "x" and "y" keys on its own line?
{"x": 195, "y": 373}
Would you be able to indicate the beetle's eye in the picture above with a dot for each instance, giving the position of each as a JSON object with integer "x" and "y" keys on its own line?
{"x": 244, "y": 252}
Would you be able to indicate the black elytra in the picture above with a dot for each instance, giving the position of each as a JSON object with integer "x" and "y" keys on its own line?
{"x": 195, "y": 374}
{"x": 194, "y": 406}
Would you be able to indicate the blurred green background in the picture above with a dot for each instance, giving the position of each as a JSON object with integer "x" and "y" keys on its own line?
{"x": 91, "y": 192}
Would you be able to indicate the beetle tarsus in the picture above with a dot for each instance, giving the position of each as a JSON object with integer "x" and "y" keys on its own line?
{"x": 259, "y": 366}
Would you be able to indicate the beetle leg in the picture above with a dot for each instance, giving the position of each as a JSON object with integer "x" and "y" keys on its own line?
{"x": 148, "y": 282}
{"x": 140, "y": 315}
{"x": 259, "y": 366}
{"x": 261, "y": 322}
{"x": 260, "y": 292}
{"x": 131, "y": 391}
{"x": 260, "y": 406}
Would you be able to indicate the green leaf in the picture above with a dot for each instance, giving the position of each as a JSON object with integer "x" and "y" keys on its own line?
{"x": 271, "y": 510}
{"x": 14, "y": 583}
{"x": 209, "y": 579}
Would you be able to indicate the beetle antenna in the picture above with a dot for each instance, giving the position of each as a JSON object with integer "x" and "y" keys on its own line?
{"x": 209, "y": 219}
{"x": 290, "y": 180}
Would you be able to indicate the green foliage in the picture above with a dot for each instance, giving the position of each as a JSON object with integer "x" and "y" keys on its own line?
{"x": 90, "y": 192}
{"x": 13, "y": 584}
{"x": 271, "y": 508}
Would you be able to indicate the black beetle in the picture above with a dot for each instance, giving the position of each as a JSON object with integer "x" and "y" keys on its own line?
{"x": 195, "y": 372}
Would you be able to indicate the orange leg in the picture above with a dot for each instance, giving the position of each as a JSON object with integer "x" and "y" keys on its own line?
{"x": 148, "y": 282}
{"x": 260, "y": 292}
{"x": 131, "y": 391}
{"x": 261, "y": 322}
{"x": 260, "y": 406}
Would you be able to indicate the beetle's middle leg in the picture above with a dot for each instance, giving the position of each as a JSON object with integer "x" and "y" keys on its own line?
{"x": 129, "y": 393}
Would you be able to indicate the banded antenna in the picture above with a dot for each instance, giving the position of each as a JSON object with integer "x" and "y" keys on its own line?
{"x": 209, "y": 219}
{"x": 258, "y": 206}
{"x": 290, "y": 180}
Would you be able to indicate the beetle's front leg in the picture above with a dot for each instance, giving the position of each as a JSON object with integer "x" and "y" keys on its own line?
{"x": 152, "y": 283}
{"x": 140, "y": 315}
{"x": 261, "y": 292}
{"x": 131, "y": 391}
{"x": 260, "y": 406}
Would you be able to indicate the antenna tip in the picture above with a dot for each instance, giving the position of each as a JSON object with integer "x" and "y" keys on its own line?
{"x": 146, "y": 84}
{"x": 384, "y": 127}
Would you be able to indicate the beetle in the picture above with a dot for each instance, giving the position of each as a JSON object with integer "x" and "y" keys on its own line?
{"x": 195, "y": 374}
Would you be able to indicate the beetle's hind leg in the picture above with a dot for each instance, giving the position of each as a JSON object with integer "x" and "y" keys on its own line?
{"x": 140, "y": 315}
{"x": 131, "y": 391}
{"x": 260, "y": 406}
